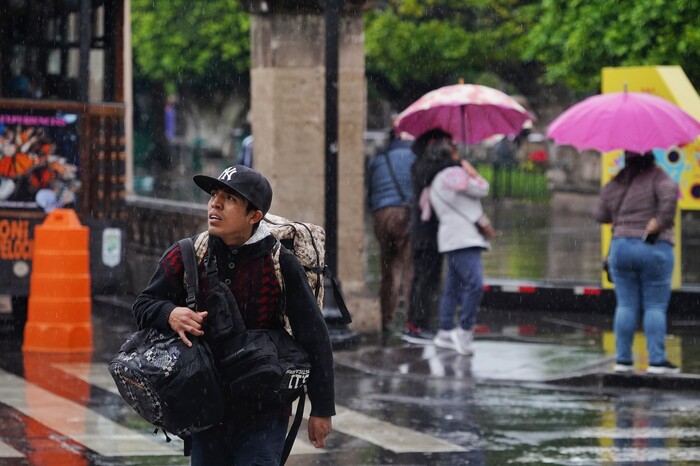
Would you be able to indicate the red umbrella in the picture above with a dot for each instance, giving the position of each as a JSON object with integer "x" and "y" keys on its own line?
{"x": 469, "y": 112}
{"x": 632, "y": 121}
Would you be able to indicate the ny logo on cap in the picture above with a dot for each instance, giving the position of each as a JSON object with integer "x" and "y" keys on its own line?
{"x": 228, "y": 173}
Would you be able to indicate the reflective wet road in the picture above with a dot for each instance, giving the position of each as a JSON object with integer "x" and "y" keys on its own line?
{"x": 397, "y": 404}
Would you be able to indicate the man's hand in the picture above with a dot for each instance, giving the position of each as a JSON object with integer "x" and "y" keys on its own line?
{"x": 319, "y": 428}
{"x": 184, "y": 320}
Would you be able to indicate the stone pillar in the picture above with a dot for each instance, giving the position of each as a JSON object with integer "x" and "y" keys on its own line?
{"x": 288, "y": 125}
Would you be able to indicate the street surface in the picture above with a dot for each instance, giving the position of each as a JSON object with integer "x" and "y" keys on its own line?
{"x": 397, "y": 404}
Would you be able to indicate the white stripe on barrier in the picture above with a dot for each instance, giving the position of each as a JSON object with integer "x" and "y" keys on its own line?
{"x": 510, "y": 288}
{"x": 7, "y": 451}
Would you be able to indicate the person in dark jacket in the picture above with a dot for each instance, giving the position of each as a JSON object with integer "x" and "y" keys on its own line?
{"x": 390, "y": 199}
{"x": 427, "y": 260}
{"x": 240, "y": 197}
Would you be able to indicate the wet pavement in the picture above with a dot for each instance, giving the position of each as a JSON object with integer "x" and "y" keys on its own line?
{"x": 538, "y": 390}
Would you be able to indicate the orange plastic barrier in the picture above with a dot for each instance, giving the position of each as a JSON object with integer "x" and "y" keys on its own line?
{"x": 60, "y": 303}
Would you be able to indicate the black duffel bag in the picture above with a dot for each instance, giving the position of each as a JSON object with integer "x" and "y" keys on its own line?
{"x": 263, "y": 366}
{"x": 172, "y": 386}
{"x": 256, "y": 366}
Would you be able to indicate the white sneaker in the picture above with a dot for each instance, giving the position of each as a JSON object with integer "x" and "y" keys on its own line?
{"x": 463, "y": 341}
{"x": 663, "y": 368}
{"x": 622, "y": 368}
{"x": 443, "y": 339}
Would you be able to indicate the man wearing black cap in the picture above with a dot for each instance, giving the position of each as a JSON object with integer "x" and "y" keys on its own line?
{"x": 243, "y": 246}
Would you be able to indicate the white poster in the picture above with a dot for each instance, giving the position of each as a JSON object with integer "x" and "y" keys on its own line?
{"x": 111, "y": 247}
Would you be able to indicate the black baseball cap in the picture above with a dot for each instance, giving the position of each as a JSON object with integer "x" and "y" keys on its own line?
{"x": 249, "y": 183}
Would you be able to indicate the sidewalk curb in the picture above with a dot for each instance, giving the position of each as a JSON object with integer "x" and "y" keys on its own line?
{"x": 674, "y": 382}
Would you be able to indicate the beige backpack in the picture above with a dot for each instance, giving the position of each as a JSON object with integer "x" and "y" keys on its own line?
{"x": 308, "y": 243}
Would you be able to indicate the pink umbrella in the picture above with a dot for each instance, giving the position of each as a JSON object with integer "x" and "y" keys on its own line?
{"x": 632, "y": 121}
{"x": 469, "y": 112}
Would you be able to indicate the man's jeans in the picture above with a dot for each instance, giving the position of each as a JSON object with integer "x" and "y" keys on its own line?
{"x": 464, "y": 285}
{"x": 642, "y": 274}
{"x": 259, "y": 443}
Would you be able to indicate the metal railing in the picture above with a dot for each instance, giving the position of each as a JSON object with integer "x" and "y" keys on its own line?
{"x": 154, "y": 224}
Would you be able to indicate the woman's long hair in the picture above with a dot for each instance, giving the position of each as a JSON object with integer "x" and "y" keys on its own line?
{"x": 634, "y": 165}
{"x": 433, "y": 154}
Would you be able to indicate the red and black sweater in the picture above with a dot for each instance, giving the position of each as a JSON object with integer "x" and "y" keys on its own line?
{"x": 248, "y": 271}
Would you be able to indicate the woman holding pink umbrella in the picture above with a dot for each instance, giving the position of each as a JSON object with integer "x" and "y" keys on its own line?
{"x": 640, "y": 202}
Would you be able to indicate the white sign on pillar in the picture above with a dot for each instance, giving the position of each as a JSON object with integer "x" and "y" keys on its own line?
{"x": 111, "y": 247}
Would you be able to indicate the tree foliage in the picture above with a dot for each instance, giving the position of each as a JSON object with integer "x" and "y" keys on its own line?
{"x": 576, "y": 38}
{"x": 413, "y": 46}
{"x": 197, "y": 43}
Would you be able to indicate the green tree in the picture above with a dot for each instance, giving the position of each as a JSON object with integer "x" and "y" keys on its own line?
{"x": 198, "y": 44}
{"x": 576, "y": 38}
{"x": 414, "y": 46}
{"x": 198, "y": 49}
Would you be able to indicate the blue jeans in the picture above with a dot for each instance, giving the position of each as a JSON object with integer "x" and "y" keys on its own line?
{"x": 642, "y": 274}
{"x": 258, "y": 443}
{"x": 464, "y": 285}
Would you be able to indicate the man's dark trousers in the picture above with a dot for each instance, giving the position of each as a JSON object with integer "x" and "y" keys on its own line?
{"x": 391, "y": 227}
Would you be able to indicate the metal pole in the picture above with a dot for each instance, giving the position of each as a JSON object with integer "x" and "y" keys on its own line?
{"x": 341, "y": 337}
{"x": 332, "y": 20}
{"x": 85, "y": 40}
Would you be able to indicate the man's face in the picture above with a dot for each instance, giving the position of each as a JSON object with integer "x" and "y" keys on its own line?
{"x": 228, "y": 217}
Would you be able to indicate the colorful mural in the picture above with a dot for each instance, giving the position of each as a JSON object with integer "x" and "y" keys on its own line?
{"x": 38, "y": 161}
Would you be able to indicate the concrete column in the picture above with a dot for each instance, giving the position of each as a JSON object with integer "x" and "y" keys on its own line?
{"x": 287, "y": 95}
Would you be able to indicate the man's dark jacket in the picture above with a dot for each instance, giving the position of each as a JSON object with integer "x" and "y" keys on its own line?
{"x": 249, "y": 272}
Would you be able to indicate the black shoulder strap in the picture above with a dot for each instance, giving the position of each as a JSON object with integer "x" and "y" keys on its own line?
{"x": 294, "y": 429}
{"x": 191, "y": 273}
{"x": 455, "y": 209}
{"x": 192, "y": 284}
{"x": 233, "y": 314}
{"x": 338, "y": 296}
{"x": 393, "y": 176}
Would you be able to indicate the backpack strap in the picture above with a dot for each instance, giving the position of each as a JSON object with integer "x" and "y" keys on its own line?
{"x": 201, "y": 244}
{"x": 338, "y": 296}
{"x": 276, "y": 250}
{"x": 276, "y": 262}
{"x": 294, "y": 428}
{"x": 189, "y": 260}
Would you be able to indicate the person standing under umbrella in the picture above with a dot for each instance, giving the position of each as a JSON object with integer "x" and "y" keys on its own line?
{"x": 390, "y": 198}
{"x": 464, "y": 232}
{"x": 427, "y": 260}
{"x": 640, "y": 203}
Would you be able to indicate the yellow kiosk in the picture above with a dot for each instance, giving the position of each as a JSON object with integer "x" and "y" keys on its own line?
{"x": 681, "y": 163}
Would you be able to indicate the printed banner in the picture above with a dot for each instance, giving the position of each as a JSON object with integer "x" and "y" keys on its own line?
{"x": 39, "y": 156}
{"x": 16, "y": 249}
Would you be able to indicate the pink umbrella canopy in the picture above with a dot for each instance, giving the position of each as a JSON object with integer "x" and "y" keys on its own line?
{"x": 469, "y": 112}
{"x": 631, "y": 121}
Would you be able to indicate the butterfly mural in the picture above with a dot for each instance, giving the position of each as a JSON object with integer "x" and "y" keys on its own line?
{"x": 28, "y": 164}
